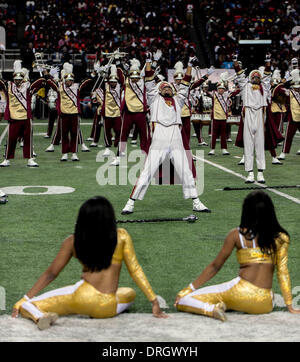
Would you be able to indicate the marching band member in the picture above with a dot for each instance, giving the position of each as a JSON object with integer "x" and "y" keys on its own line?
{"x": 165, "y": 113}
{"x": 111, "y": 108}
{"x": 276, "y": 108}
{"x": 19, "y": 114}
{"x": 204, "y": 107}
{"x": 294, "y": 111}
{"x": 69, "y": 110}
{"x": 186, "y": 110}
{"x": 254, "y": 93}
{"x": 219, "y": 117}
{"x": 52, "y": 108}
{"x": 97, "y": 98}
{"x": 134, "y": 107}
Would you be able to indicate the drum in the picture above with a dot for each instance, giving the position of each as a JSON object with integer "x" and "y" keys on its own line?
{"x": 52, "y": 96}
{"x": 206, "y": 118}
{"x": 196, "y": 117}
{"x": 51, "y": 102}
{"x": 206, "y": 103}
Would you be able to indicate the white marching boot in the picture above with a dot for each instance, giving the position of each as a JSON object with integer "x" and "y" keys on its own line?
{"x": 5, "y": 163}
{"x": 260, "y": 178}
{"x": 3, "y": 197}
{"x": 50, "y": 148}
{"x": 116, "y": 161}
{"x": 281, "y": 156}
{"x": 242, "y": 161}
{"x": 32, "y": 163}
{"x": 199, "y": 206}
{"x": 225, "y": 152}
{"x": 74, "y": 157}
{"x": 64, "y": 157}
{"x": 84, "y": 148}
{"x": 106, "y": 152}
{"x": 275, "y": 161}
{"x": 250, "y": 178}
{"x": 128, "y": 209}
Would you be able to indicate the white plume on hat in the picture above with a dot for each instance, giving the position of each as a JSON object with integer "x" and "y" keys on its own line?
{"x": 134, "y": 69}
{"x": 17, "y": 66}
{"x": 113, "y": 72}
{"x": 262, "y": 70}
{"x": 135, "y": 64}
{"x": 18, "y": 71}
{"x": 26, "y": 73}
{"x": 67, "y": 69}
{"x": 224, "y": 80}
{"x": 295, "y": 78}
{"x": 276, "y": 76}
{"x": 178, "y": 74}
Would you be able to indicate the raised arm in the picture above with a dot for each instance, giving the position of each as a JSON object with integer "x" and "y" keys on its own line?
{"x": 150, "y": 84}
{"x": 60, "y": 261}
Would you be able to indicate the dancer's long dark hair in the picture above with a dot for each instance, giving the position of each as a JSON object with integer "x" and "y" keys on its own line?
{"x": 95, "y": 236}
{"x": 259, "y": 220}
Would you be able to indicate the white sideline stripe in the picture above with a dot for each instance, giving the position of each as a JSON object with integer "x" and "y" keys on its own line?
{"x": 279, "y": 193}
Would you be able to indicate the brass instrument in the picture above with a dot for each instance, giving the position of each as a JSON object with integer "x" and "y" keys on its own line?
{"x": 40, "y": 64}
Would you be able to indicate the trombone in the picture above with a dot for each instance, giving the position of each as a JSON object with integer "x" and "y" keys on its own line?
{"x": 111, "y": 56}
{"x": 40, "y": 64}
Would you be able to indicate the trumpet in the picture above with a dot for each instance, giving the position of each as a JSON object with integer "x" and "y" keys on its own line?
{"x": 116, "y": 54}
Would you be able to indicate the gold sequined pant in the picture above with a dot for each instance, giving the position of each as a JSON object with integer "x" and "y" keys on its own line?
{"x": 80, "y": 298}
{"x": 237, "y": 294}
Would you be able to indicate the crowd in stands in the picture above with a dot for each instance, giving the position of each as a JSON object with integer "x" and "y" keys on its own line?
{"x": 8, "y": 20}
{"x": 90, "y": 27}
{"x": 227, "y": 22}
{"x": 62, "y": 28}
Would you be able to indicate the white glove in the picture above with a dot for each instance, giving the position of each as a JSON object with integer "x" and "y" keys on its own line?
{"x": 191, "y": 61}
{"x": 294, "y": 63}
{"x": 148, "y": 57}
{"x": 210, "y": 70}
{"x": 157, "y": 55}
{"x": 105, "y": 68}
{"x": 54, "y": 72}
{"x": 268, "y": 57}
{"x": 234, "y": 57}
{"x": 97, "y": 67}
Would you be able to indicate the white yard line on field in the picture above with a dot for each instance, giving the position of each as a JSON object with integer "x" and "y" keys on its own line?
{"x": 279, "y": 193}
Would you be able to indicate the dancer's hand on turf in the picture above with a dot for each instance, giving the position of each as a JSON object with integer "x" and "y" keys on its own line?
{"x": 156, "y": 311}
{"x": 17, "y": 306}
{"x": 292, "y": 310}
{"x": 176, "y": 301}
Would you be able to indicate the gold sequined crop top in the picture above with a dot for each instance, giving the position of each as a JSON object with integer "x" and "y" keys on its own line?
{"x": 125, "y": 251}
{"x": 253, "y": 255}
{"x": 280, "y": 259}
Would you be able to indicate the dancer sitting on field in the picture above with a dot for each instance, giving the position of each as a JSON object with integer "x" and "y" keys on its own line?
{"x": 100, "y": 247}
{"x": 261, "y": 245}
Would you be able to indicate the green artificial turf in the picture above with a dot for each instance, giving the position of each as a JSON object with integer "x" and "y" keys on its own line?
{"x": 172, "y": 254}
